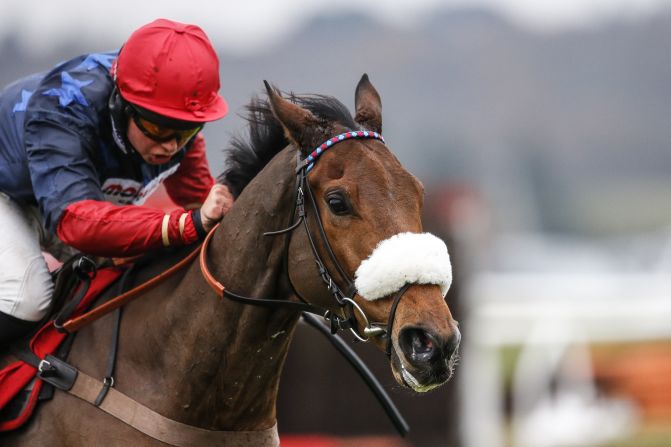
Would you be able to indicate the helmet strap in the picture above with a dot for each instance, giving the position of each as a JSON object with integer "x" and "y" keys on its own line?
{"x": 119, "y": 117}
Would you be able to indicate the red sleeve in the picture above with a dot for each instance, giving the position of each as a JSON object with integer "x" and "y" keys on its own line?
{"x": 190, "y": 184}
{"x": 104, "y": 229}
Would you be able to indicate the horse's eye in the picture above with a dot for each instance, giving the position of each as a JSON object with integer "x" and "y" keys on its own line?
{"x": 338, "y": 205}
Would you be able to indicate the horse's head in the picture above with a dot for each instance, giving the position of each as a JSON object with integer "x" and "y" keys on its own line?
{"x": 369, "y": 208}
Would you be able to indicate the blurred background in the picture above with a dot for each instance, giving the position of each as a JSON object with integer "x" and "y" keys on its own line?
{"x": 541, "y": 132}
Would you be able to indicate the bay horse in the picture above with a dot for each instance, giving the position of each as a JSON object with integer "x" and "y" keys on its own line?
{"x": 337, "y": 228}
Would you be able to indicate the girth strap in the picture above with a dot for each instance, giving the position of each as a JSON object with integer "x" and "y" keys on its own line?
{"x": 163, "y": 429}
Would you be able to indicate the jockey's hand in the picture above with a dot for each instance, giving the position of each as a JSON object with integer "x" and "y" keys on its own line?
{"x": 218, "y": 202}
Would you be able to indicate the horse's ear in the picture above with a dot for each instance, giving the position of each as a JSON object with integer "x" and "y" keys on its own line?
{"x": 299, "y": 124}
{"x": 368, "y": 105}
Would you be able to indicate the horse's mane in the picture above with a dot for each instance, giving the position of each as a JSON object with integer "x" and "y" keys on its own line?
{"x": 245, "y": 157}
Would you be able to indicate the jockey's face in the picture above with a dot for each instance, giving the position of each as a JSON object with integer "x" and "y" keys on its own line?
{"x": 153, "y": 152}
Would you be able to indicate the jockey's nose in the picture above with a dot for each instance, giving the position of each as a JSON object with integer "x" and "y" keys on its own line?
{"x": 170, "y": 146}
{"x": 421, "y": 347}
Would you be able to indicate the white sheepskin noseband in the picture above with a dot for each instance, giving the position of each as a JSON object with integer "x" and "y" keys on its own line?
{"x": 419, "y": 258}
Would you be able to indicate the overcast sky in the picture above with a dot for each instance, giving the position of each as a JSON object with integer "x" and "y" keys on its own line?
{"x": 249, "y": 24}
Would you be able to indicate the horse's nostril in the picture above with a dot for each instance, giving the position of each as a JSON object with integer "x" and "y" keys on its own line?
{"x": 421, "y": 344}
{"x": 418, "y": 345}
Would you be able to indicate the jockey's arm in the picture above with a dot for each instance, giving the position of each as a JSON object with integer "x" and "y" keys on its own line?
{"x": 104, "y": 229}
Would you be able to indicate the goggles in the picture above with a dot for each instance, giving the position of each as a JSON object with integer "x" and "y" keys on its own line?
{"x": 161, "y": 134}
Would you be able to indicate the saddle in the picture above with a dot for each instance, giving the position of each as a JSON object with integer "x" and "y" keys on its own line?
{"x": 77, "y": 285}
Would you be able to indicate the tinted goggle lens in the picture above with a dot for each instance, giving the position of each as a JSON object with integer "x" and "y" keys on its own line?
{"x": 162, "y": 134}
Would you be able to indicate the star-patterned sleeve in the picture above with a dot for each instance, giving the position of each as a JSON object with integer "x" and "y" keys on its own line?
{"x": 61, "y": 137}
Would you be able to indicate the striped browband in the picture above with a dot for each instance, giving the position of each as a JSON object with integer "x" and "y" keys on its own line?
{"x": 309, "y": 161}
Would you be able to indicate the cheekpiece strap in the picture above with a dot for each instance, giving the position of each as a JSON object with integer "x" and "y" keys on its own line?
{"x": 310, "y": 160}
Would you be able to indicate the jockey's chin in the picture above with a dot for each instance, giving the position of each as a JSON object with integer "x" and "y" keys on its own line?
{"x": 153, "y": 159}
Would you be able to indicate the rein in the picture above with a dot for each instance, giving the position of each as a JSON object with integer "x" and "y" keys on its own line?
{"x": 75, "y": 324}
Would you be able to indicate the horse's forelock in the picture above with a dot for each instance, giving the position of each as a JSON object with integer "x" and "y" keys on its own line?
{"x": 246, "y": 156}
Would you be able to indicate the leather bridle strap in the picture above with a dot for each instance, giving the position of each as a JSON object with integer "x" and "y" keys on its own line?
{"x": 222, "y": 292}
{"x": 167, "y": 430}
{"x": 207, "y": 275}
{"x": 392, "y": 315}
{"x": 351, "y": 289}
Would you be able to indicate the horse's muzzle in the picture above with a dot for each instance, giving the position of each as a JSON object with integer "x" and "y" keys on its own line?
{"x": 428, "y": 359}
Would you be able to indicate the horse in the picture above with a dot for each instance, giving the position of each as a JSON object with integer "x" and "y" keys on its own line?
{"x": 336, "y": 229}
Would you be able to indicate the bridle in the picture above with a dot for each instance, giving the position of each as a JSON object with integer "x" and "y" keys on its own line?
{"x": 343, "y": 299}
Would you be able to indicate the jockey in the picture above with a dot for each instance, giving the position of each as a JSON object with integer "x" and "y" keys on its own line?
{"x": 81, "y": 148}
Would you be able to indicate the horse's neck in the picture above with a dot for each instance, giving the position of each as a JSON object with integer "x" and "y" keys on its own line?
{"x": 213, "y": 362}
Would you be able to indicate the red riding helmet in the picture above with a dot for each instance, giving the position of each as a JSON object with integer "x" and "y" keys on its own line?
{"x": 171, "y": 69}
